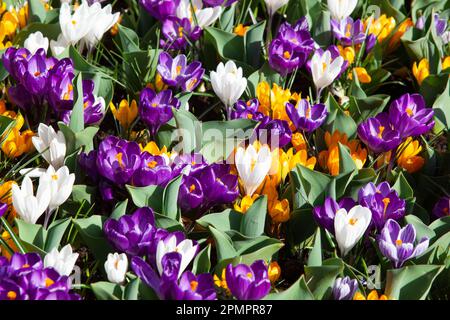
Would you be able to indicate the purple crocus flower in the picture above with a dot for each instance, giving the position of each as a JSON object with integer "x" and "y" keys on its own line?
{"x": 248, "y": 282}
{"x": 20, "y": 96}
{"x": 60, "y": 87}
{"x": 118, "y": 159}
{"x": 306, "y": 117}
{"x": 215, "y": 3}
{"x": 344, "y": 288}
{"x": 3, "y": 208}
{"x": 420, "y": 23}
{"x": 25, "y": 278}
{"x": 383, "y": 201}
{"x": 348, "y": 32}
{"x": 409, "y": 115}
{"x": 178, "y": 32}
{"x": 177, "y": 73}
{"x": 247, "y": 110}
{"x": 219, "y": 185}
{"x": 15, "y": 60}
{"x": 441, "y": 208}
{"x": 154, "y": 170}
{"x": 160, "y": 9}
{"x": 188, "y": 164}
{"x": 298, "y": 36}
{"x": 155, "y": 109}
{"x": 106, "y": 190}
{"x": 36, "y": 72}
{"x": 440, "y": 24}
{"x": 190, "y": 195}
{"x": 378, "y": 134}
{"x": 275, "y": 132}
{"x": 324, "y": 214}
{"x": 131, "y": 234}
{"x": 397, "y": 244}
{"x": 371, "y": 40}
{"x": 284, "y": 58}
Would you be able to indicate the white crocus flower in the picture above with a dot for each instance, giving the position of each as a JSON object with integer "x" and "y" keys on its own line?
{"x": 104, "y": 20}
{"x": 186, "y": 248}
{"x": 204, "y": 17}
{"x": 61, "y": 185}
{"x": 341, "y": 9}
{"x": 62, "y": 261}
{"x": 324, "y": 69}
{"x": 36, "y": 41}
{"x": 350, "y": 227}
{"x": 228, "y": 83}
{"x": 29, "y": 207}
{"x": 51, "y": 144}
{"x": 253, "y": 166}
{"x": 77, "y": 25}
{"x": 116, "y": 267}
{"x": 59, "y": 45}
{"x": 274, "y": 5}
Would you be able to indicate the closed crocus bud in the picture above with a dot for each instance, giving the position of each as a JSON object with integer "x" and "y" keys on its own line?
{"x": 341, "y": 9}
{"x": 228, "y": 83}
{"x": 116, "y": 267}
{"x": 126, "y": 113}
{"x": 274, "y": 5}
{"x": 345, "y": 288}
{"x": 51, "y": 145}
{"x": 253, "y": 166}
{"x": 36, "y": 41}
{"x": 421, "y": 70}
{"x": 62, "y": 261}
{"x": 28, "y": 206}
{"x": 350, "y": 226}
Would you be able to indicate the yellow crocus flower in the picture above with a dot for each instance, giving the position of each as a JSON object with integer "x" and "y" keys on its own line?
{"x": 240, "y": 30}
{"x": 348, "y": 53}
{"x": 274, "y": 271}
{"x": 446, "y": 63}
{"x": 126, "y": 113}
{"x": 395, "y": 39}
{"x": 17, "y": 143}
{"x": 246, "y": 203}
{"x": 409, "y": 159}
{"x": 381, "y": 27}
{"x": 362, "y": 75}
{"x": 373, "y": 295}
{"x": 421, "y": 71}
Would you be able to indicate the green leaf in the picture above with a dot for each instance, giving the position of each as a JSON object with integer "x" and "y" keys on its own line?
{"x": 32, "y": 233}
{"x": 37, "y": 11}
{"x": 81, "y": 192}
{"x": 190, "y": 128}
{"x": 91, "y": 230}
{"x": 77, "y": 115}
{"x": 120, "y": 209}
{"x": 131, "y": 290}
{"x": 5, "y": 125}
{"x": 254, "y": 220}
{"x": 298, "y": 291}
{"x": 346, "y": 163}
{"x": 403, "y": 188}
{"x": 411, "y": 282}
{"x": 253, "y": 40}
{"x": 107, "y": 291}
{"x": 320, "y": 279}
{"x": 228, "y": 219}
{"x": 227, "y": 19}
{"x": 228, "y": 45}
{"x": 224, "y": 246}
{"x": 300, "y": 226}
{"x": 150, "y": 196}
{"x": 338, "y": 120}
{"x": 170, "y": 199}
{"x": 440, "y": 106}
{"x": 422, "y": 230}
{"x": 129, "y": 40}
{"x": 309, "y": 186}
{"x": 55, "y": 233}
{"x": 202, "y": 262}
{"x": 315, "y": 255}
{"x": 168, "y": 223}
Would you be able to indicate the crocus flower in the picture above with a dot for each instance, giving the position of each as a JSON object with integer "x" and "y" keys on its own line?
{"x": 397, "y": 244}
{"x": 126, "y": 112}
{"x": 409, "y": 115}
{"x": 297, "y": 35}
{"x": 344, "y": 288}
{"x": 61, "y": 185}
{"x": 306, "y": 117}
{"x": 176, "y": 242}
{"x": 178, "y": 33}
{"x": 28, "y": 206}
{"x": 51, "y": 145}
{"x": 60, "y": 92}
{"x": 190, "y": 195}
{"x": 36, "y": 72}
{"x": 160, "y": 9}
{"x": 192, "y": 287}
{"x": 341, "y": 9}
{"x": 325, "y": 69}
{"x": 176, "y": 72}
{"x": 154, "y": 170}
{"x": 36, "y": 41}
{"x": 324, "y": 214}
{"x": 62, "y": 261}
{"x": 274, "y": 132}
{"x": 441, "y": 208}
{"x": 274, "y": 5}
{"x": 155, "y": 109}
{"x": 131, "y": 234}
{"x": 349, "y": 227}
{"x": 284, "y": 58}
{"x": 74, "y": 26}
{"x": 116, "y": 267}
{"x": 228, "y": 83}
{"x": 248, "y": 282}
{"x": 199, "y": 16}
{"x": 215, "y": 3}
{"x": 348, "y": 32}
{"x": 247, "y": 110}
{"x": 421, "y": 70}
{"x": 118, "y": 159}
{"x": 383, "y": 201}
{"x": 253, "y": 165}
{"x": 378, "y": 134}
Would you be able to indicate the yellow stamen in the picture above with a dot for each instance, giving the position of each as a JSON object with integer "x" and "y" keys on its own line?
{"x": 380, "y": 133}
{"x": 194, "y": 285}
{"x": 178, "y": 69}
{"x": 192, "y": 188}
{"x": 286, "y": 55}
{"x": 55, "y": 177}
{"x": 398, "y": 242}
{"x": 26, "y": 265}
{"x": 74, "y": 22}
{"x": 249, "y": 275}
{"x": 352, "y": 221}
{"x": 119, "y": 157}
{"x": 409, "y": 112}
{"x": 11, "y": 295}
{"x": 152, "y": 164}
{"x": 49, "y": 282}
